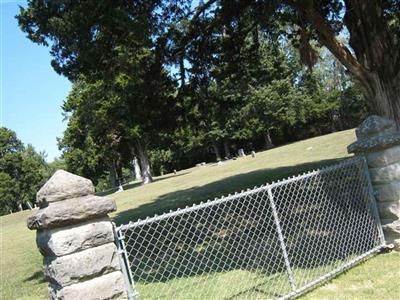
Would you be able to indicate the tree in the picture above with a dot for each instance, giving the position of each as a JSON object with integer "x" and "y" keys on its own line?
{"x": 222, "y": 69}
{"x": 274, "y": 108}
{"x": 22, "y": 172}
{"x": 337, "y": 102}
{"x": 373, "y": 29}
{"x": 56, "y": 164}
{"x": 163, "y": 78}
{"x": 114, "y": 55}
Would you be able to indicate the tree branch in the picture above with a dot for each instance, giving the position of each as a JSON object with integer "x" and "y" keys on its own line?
{"x": 200, "y": 9}
{"x": 327, "y": 37}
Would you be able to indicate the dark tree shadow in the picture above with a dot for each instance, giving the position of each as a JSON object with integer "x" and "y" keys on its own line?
{"x": 182, "y": 198}
{"x": 38, "y": 276}
{"x": 324, "y": 220}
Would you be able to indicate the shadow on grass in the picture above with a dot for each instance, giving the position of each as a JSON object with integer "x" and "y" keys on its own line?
{"x": 181, "y": 198}
{"x": 324, "y": 220}
{"x": 38, "y": 276}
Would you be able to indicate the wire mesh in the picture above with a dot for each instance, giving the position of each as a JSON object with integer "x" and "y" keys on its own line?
{"x": 275, "y": 241}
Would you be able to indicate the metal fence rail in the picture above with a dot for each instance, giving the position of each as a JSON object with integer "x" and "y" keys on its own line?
{"x": 275, "y": 241}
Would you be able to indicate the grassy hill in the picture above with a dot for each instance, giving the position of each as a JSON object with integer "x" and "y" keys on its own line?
{"x": 20, "y": 266}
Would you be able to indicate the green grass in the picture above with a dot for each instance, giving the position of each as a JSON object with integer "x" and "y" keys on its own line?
{"x": 377, "y": 278}
{"x": 234, "y": 284}
{"x": 369, "y": 280}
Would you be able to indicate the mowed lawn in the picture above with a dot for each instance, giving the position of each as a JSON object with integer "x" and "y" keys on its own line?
{"x": 377, "y": 278}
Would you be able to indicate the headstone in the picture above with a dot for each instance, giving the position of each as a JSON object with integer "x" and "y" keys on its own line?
{"x": 136, "y": 167}
{"x": 241, "y": 153}
{"x": 253, "y": 154}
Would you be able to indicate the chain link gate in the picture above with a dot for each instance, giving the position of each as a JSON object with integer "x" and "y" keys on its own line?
{"x": 274, "y": 241}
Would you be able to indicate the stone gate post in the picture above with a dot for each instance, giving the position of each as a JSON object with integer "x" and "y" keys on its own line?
{"x": 76, "y": 238}
{"x": 379, "y": 140}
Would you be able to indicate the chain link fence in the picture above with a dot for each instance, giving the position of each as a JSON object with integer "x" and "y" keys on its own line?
{"x": 274, "y": 241}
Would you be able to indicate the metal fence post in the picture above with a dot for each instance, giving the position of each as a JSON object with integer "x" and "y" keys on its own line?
{"x": 281, "y": 240}
{"x": 129, "y": 284}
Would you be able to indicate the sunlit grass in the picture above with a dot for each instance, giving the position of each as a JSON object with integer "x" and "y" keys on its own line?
{"x": 377, "y": 278}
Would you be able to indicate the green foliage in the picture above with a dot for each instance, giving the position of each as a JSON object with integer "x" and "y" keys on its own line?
{"x": 22, "y": 172}
{"x": 161, "y": 161}
{"x": 275, "y": 107}
{"x": 103, "y": 184}
{"x": 8, "y": 193}
{"x": 336, "y": 104}
{"x": 160, "y": 80}
{"x": 56, "y": 164}
{"x": 121, "y": 98}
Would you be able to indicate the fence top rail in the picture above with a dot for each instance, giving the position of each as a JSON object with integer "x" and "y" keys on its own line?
{"x": 243, "y": 193}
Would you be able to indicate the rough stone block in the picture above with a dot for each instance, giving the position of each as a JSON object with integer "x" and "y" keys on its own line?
{"x": 63, "y": 185}
{"x": 71, "y": 211}
{"x": 375, "y": 143}
{"x": 375, "y": 125}
{"x": 389, "y": 210}
{"x": 396, "y": 243}
{"x": 109, "y": 286}
{"x": 83, "y": 265}
{"x": 392, "y": 232}
{"x": 385, "y": 174}
{"x": 66, "y": 240}
{"x": 388, "y": 192}
{"x": 383, "y": 158}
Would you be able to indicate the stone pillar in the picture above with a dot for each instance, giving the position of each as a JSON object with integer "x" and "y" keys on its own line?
{"x": 379, "y": 140}
{"x": 76, "y": 238}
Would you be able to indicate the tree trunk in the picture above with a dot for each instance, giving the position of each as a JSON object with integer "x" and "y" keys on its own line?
{"x": 375, "y": 63}
{"x": 182, "y": 68}
{"x": 136, "y": 169}
{"x": 267, "y": 140}
{"x": 227, "y": 148}
{"x": 112, "y": 177}
{"x": 216, "y": 150}
{"x": 378, "y": 53}
{"x": 144, "y": 162}
{"x": 385, "y": 97}
{"x": 119, "y": 174}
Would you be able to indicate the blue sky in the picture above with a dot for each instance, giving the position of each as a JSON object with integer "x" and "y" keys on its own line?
{"x": 31, "y": 91}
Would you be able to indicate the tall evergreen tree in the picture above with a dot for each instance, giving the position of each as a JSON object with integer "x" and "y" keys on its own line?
{"x": 115, "y": 49}
{"x": 22, "y": 172}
